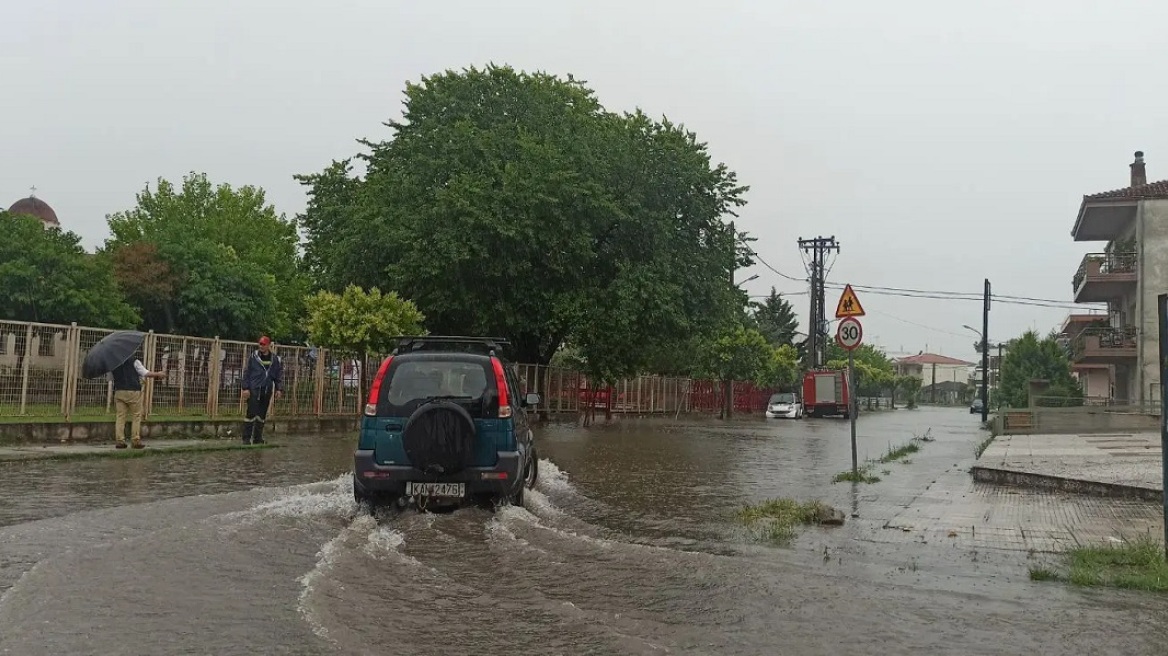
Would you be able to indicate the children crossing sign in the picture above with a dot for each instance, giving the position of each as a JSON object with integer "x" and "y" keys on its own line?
{"x": 849, "y": 305}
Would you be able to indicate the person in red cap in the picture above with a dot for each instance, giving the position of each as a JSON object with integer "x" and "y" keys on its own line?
{"x": 263, "y": 381}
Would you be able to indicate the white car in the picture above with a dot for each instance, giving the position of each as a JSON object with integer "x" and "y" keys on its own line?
{"x": 784, "y": 406}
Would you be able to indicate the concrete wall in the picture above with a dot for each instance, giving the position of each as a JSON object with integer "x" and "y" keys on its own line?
{"x": 1082, "y": 420}
{"x": 103, "y": 431}
{"x": 52, "y": 345}
{"x": 1152, "y": 227}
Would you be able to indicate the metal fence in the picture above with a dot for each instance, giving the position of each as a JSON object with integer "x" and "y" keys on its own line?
{"x": 40, "y": 377}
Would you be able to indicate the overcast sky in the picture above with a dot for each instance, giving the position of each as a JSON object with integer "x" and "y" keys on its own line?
{"x": 941, "y": 144}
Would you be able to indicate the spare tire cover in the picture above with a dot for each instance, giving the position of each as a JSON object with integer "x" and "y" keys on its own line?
{"x": 439, "y": 438}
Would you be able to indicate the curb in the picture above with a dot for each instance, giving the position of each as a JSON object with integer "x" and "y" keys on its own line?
{"x": 1012, "y": 478}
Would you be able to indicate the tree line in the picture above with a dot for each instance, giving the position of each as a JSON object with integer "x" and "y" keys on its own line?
{"x": 501, "y": 203}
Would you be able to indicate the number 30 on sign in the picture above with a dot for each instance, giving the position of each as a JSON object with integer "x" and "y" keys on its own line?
{"x": 850, "y": 334}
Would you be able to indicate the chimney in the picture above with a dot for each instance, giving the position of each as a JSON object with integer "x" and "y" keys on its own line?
{"x": 1138, "y": 175}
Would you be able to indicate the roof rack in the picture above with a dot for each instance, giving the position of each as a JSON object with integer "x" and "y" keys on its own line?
{"x": 409, "y": 343}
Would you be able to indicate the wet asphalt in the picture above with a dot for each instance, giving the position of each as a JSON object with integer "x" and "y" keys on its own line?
{"x": 628, "y": 546}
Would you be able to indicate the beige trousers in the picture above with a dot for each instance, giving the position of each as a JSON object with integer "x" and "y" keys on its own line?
{"x": 124, "y": 402}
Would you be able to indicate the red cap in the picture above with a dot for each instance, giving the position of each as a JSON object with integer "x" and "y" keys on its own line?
{"x": 265, "y": 340}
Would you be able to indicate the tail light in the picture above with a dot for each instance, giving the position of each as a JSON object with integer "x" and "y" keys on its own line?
{"x": 375, "y": 389}
{"x": 501, "y": 383}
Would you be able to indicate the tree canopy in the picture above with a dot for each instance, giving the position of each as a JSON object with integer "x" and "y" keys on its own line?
{"x": 1033, "y": 358}
{"x": 775, "y": 319}
{"x": 357, "y": 321}
{"x": 208, "y": 260}
{"x": 46, "y": 276}
{"x": 875, "y": 372}
{"x": 513, "y": 204}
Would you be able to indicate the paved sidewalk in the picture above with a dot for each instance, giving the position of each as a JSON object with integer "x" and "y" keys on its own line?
{"x": 935, "y": 501}
{"x": 1106, "y": 464}
{"x": 22, "y": 452}
{"x": 956, "y": 511}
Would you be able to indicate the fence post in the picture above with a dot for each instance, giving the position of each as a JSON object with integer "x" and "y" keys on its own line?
{"x": 215, "y": 368}
{"x": 66, "y": 369}
{"x": 296, "y": 382}
{"x": 24, "y": 370}
{"x": 560, "y": 390}
{"x": 182, "y": 376}
{"x": 148, "y": 353}
{"x": 73, "y": 349}
{"x": 341, "y": 386}
{"x": 318, "y": 389}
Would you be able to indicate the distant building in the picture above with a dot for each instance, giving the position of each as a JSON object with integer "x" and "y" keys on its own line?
{"x": 943, "y": 379}
{"x": 932, "y": 368}
{"x": 35, "y": 207}
{"x": 1127, "y": 275}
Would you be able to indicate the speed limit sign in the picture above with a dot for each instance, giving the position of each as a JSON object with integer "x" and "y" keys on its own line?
{"x": 849, "y": 334}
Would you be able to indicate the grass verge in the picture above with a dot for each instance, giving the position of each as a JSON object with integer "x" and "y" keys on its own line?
{"x": 893, "y": 454}
{"x": 778, "y": 520}
{"x": 148, "y": 452}
{"x": 1136, "y": 565}
{"x": 896, "y": 453}
{"x": 863, "y": 475}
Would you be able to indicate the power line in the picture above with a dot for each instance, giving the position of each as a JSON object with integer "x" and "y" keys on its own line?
{"x": 773, "y": 270}
{"x": 933, "y": 294}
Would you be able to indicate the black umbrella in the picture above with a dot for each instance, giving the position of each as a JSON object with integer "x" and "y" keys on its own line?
{"x": 111, "y": 352}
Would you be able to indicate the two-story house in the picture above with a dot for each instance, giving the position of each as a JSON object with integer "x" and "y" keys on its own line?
{"x": 1127, "y": 274}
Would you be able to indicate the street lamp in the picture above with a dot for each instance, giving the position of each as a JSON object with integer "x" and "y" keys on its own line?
{"x": 985, "y": 374}
{"x": 739, "y": 284}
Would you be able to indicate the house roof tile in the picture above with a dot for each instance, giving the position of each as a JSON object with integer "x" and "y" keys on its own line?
{"x": 1151, "y": 190}
{"x": 933, "y": 358}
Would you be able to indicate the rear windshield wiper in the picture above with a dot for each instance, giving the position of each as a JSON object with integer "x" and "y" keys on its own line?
{"x": 427, "y": 399}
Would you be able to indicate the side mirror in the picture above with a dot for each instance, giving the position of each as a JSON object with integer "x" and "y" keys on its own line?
{"x": 532, "y": 399}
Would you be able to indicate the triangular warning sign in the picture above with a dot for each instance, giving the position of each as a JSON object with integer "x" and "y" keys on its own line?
{"x": 849, "y": 305}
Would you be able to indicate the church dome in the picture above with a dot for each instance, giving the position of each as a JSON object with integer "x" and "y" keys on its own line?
{"x": 33, "y": 206}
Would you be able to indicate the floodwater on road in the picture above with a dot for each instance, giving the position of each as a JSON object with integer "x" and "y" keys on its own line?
{"x": 627, "y": 546}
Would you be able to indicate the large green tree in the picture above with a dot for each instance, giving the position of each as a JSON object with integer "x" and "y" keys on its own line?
{"x": 513, "y": 204}
{"x": 226, "y": 262}
{"x": 775, "y": 319}
{"x": 1038, "y": 358}
{"x": 46, "y": 276}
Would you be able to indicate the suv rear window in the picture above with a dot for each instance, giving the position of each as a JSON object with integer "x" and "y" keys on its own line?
{"x": 415, "y": 382}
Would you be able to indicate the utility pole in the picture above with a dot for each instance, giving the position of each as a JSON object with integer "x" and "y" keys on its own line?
{"x": 985, "y": 353}
{"x": 1162, "y": 310}
{"x": 727, "y": 385}
{"x": 818, "y": 247}
{"x": 933, "y": 387}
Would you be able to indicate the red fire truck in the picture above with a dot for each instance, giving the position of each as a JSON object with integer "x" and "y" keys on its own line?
{"x": 826, "y": 393}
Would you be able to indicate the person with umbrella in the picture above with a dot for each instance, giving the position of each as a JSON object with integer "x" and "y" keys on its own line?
{"x": 113, "y": 356}
{"x": 263, "y": 380}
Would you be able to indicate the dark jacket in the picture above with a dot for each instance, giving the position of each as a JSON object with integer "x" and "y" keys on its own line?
{"x": 257, "y": 377}
{"x": 126, "y": 377}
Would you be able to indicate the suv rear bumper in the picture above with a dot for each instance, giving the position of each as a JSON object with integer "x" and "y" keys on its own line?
{"x": 499, "y": 479}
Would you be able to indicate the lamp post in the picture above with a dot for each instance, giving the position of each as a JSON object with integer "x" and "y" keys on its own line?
{"x": 739, "y": 284}
{"x": 985, "y": 374}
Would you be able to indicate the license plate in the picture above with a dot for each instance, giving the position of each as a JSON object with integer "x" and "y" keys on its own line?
{"x": 453, "y": 490}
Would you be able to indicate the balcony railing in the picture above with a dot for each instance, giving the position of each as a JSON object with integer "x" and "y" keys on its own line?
{"x": 1106, "y": 344}
{"x": 1094, "y": 264}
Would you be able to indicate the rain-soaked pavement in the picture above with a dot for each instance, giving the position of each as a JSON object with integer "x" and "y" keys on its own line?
{"x": 628, "y": 546}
